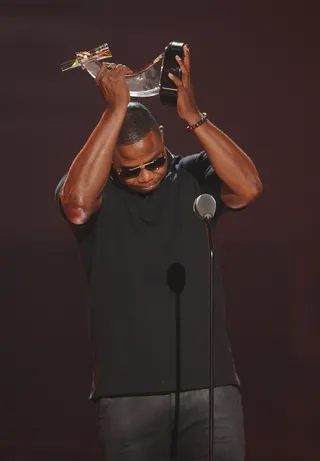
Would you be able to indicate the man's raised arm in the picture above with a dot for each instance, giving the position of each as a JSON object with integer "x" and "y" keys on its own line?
{"x": 89, "y": 172}
{"x": 241, "y": 182}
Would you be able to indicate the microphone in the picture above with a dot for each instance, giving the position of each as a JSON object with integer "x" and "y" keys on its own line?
{"x": 205, "y": 206}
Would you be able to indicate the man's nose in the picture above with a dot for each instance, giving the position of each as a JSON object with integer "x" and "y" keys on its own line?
{"x": 145, "y": 176}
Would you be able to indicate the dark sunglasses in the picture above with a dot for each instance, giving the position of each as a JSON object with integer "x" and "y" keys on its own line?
{"x": 127, "y": 172}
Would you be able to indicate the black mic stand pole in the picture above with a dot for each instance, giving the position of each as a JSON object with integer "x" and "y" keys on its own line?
{"x": 208, "y": 222}
{"x": 205, "y": 207}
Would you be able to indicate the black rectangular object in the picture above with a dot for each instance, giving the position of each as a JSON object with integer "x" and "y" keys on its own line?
{"x": 168, "y": 89}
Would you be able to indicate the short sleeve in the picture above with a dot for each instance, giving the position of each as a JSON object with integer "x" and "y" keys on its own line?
{"x": 57, "y": 193}
{"x": 210, "y": 183}
{"x": 79, "y": 230}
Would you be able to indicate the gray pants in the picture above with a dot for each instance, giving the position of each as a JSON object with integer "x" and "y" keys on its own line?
{"x": 140, "y": 428}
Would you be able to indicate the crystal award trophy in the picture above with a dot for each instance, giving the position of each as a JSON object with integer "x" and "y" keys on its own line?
{"x": 151, "y": 80}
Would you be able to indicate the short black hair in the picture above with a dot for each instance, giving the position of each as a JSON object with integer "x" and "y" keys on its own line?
{"x": 137, "y": 124}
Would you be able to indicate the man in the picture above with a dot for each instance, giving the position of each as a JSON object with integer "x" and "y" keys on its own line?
{"x": 129, "y": 203}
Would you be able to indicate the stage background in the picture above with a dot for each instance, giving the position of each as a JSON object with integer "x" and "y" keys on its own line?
{"x": 255, "y": 69}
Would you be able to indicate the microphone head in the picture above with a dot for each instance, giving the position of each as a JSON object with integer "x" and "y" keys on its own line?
{"x": 205, "y": 206}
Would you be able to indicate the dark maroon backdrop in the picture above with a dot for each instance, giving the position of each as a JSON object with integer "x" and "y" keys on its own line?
{"x": 256, "y": 72}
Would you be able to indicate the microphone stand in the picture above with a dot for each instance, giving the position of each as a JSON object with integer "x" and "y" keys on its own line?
{"x": 176, "y": 279}
{"x": 208, "y": 221}
{"x": 205, "y": 207}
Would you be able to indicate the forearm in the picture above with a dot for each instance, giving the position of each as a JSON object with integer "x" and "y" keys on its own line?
{"x": 90, "y": 170}
{"x": 232, "y": 165}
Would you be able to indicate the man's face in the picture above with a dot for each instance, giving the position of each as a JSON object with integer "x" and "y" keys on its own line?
{"x": 148, "y": 149}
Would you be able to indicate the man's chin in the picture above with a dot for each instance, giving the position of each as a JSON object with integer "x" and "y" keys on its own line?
{"x": 146, "y": 190}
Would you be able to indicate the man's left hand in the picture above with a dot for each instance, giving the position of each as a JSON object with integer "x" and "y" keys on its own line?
{"x": 186, "y": 104}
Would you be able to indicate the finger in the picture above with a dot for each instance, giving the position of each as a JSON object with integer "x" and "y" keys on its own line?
{"x": 118, "y": 68}
{"x": 184, "y": 71}
{"x": 182, "y": 65}
{"x": 112, "y": 66}
{"x": 176, "y": 80}
{"x": 186, "y": 58}
{"x": 128, "y": 70}
{"x": 125, "y": 68}
{"x": 103, "y": 67}
{"x": 106, "y": 67}
{"x": 121, "y": 69}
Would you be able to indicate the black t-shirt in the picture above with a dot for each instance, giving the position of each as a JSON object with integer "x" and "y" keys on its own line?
{"x": 146, "y": 261}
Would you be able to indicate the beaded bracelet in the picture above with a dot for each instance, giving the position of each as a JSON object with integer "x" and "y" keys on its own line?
{"x": 203, "y": 118}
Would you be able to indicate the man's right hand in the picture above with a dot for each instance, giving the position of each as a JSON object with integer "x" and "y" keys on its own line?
{"x": 112, "y": 82}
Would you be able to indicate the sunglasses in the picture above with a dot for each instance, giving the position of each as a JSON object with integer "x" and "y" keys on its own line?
{"x": 127, "y": 172}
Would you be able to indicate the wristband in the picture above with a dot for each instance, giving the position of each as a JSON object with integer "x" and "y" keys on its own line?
{"x": 203, "y": 118}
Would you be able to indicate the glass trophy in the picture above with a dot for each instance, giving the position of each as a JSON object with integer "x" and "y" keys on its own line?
{"x": 151, "y": 80}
